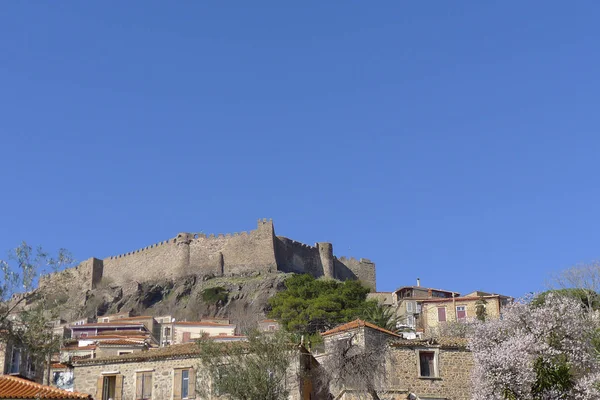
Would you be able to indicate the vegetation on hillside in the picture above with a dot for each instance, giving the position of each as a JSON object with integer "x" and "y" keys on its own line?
{"x": 308, "y": 306}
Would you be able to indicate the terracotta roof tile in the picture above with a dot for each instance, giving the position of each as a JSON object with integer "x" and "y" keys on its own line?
{"x": 12, "y": 387}
{"x": 473, "y": 298}
{"x": 202, "y": 323}
{"x": 122, "y": 333}
{"x": 77, "y": 348}
{"x": 121, "y": 342}
{"x": 444, "y": 342}
{"x": 107, "y": 325}
{"x": 358, "y": 323}
{"x": 173, "y": 351}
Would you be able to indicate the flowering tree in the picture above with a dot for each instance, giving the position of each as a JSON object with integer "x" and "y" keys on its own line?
{"x": 538, "y": 352}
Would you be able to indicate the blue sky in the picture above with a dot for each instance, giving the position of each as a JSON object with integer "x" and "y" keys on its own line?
{"x": 455, "y": 142}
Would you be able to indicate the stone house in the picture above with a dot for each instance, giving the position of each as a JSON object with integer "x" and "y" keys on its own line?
{"x": 439, "y": 311}
{"x": 188, "y": 331}
{"x": 414, "y": 369}
{"x": 94, "y": 329}
{"x": 167, "y": 373}
{"x": 268, "y": 325}
{"x": 430, "y": 369}
{"x": 14, "y": 360}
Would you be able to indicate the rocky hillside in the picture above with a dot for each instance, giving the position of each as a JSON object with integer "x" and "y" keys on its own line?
{"x": 242, "y": 299}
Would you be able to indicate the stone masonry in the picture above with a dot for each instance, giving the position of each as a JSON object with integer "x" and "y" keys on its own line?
{"x": 257, "y": 251}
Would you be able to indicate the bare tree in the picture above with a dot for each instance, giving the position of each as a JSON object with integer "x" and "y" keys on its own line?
{"x": 358, "y": 365}
{"x": 582, "y": 281}
{"x": 25, "y": 310}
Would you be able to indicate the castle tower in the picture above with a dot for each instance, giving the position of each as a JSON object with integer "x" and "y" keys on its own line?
{"x": 326, "y": 254}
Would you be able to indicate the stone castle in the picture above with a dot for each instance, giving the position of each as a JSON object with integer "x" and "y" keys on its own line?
{"x": 257, "y": 251}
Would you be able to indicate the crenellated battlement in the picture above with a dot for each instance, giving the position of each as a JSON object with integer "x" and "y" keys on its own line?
{"x": 238, "y": 253}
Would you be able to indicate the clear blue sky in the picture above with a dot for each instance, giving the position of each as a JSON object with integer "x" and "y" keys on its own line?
{"x": 455, "y": 142}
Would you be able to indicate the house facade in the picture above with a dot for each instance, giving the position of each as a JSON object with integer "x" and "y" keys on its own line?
{"x": 189, "y": 331}
{"x": 414, "y": 369}
{"x": 436, "y": 312}
{"x": 166, "y": 373}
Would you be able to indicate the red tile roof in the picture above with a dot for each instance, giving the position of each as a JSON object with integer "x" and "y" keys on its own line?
{"x": 121, "y": 342}
{"x": 136, "y": 318}
{"x": 174, "y": 351}
{"x": 12, "y": 387}
{"x": 108, "y": 325}
{"x": 77, "y": 348}
{"x": 108, "y": 338}
{"x": 358, "y": 323}
{"x": 202, "y": 323}
{"x": 473, "y": 298}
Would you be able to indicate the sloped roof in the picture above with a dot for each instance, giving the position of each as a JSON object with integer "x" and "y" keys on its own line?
{"x": 358, "y": 323}
{"x": 173, "y": 351}
{"x": 202, "y": 323}
{"x": 109, "y": 325}
{"x": 121, "y": 342}
{"x": 444, "y": 342}
{"x": 12, "y": 387}
{"x": 465, "y": 298}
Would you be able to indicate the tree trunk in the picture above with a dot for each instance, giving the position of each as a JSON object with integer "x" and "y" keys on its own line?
{"x": 374, "y": 394}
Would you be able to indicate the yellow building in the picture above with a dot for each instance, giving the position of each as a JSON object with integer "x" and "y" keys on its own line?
{"x": 438, "y": 311}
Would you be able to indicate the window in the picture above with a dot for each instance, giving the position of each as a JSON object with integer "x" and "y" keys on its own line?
{"x": 442, "y": 314}
{"x": 120, "y": 353}
{"x": 167, "y": 332}
{"x": 409, "y": 307}
{"x": 418, "y": 308}
{"x": 184, "y": 384}
{"x": 410, "y": 321}
{"x": 105, "y": 320}
{"x": 15, "y": 361}
{"x": 271, "y": 327}
{"x": 108, "y": 387}
{"x": 461, "y": 313}
{"x": 143, "y": 385}
{"x": 428, "y": 367}
{"x": 83, "y": 335}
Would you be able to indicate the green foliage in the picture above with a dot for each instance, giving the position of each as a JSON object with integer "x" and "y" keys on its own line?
{"x": 253, "y": 370}
{"x": 588, "y": 298}
{"x": 552, "y": 376}
{"x": 215, "y": 295}
{"x": 380, "y": 315}
{"x": 310, "y": 305}
{"x": 480, "y": 309}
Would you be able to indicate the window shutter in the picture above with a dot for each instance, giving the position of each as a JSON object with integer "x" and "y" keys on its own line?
{"x": 442, "y": 314}
{"x": 147, "y": 394}
{"x": 192, "y": 384}
{"x": 177, "y": 384}
{"x": 99, "y": 384}
{"x": 138, "y": 385}
{"x": 119, "y": 387}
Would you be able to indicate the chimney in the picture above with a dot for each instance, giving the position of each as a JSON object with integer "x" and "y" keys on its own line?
{"x": 418, "y": 282}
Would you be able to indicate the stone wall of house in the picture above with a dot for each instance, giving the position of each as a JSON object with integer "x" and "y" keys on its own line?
{"x": 454, "y": 366}
{"x": 86, "y": 376}
{"x": 163, "y": 372}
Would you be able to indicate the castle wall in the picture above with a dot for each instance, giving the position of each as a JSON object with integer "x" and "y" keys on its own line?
{"x": 235, "y": 254}
{"x": 231, "y": 254}
{"x": 351, "y": 268}
{"x": 159, "y": 261}
{"x": 297, "y": 257}
{"x": 84, "y": 276}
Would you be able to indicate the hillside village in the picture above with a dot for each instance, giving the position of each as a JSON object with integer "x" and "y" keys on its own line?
{"x": 127, "y": 356}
